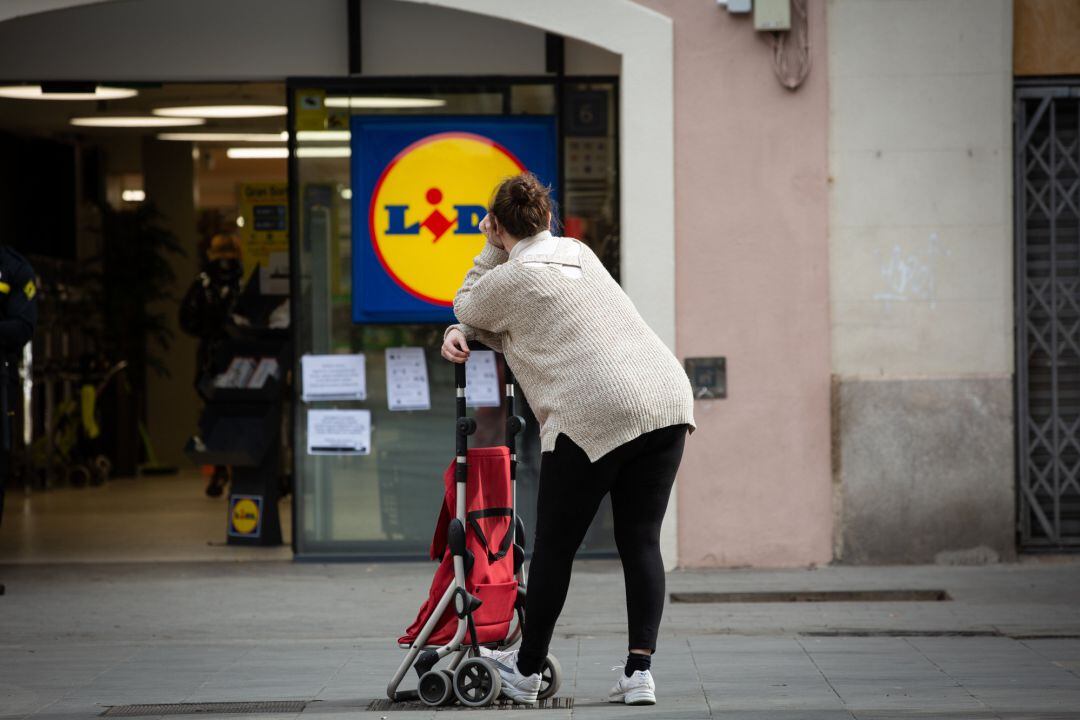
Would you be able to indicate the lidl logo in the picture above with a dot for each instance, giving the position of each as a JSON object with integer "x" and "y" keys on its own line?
{"x": 426, "y": 209}
{"x": 244, "y": 518}
{"x": 420, "y": 186}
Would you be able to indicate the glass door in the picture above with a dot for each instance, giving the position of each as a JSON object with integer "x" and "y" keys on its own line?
{"x": 384, "y": 504}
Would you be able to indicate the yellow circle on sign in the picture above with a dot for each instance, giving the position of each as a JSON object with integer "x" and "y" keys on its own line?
{"x": 245, "y": 516}
{"x": 427, "y": 205}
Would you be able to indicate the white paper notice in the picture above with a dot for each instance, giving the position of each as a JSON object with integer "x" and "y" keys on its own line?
{"x": 482, "y": 380}
{"x": 406, "y": 379}
{"x": 333, "y": 377}
{"x": 339, "y": 432}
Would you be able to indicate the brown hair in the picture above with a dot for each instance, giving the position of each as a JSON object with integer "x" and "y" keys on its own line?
{"x": 521, "y": 205}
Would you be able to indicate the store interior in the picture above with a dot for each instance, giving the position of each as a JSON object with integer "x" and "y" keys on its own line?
{"x": 122, "y": 198}
{"x": 115, "y": 194}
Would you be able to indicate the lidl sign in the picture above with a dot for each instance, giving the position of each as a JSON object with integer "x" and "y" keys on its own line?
{"x": 245, "y": 515}
{"x": 420, "y": 188}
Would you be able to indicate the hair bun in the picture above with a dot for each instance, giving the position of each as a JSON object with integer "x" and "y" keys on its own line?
{"x": 521, "y": 193}
{"x": 522, "y": 205}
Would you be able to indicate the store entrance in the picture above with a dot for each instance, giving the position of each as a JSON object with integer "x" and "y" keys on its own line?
{"x": 388, "y": 178}
{"x": 154, "y": 217}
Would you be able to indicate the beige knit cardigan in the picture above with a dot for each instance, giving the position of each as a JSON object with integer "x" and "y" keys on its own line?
{"x": 589, "y": 365}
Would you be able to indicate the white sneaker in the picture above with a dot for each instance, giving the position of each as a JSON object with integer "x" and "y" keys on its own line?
{"x": 519, "y": 688}
{"x": 638, "y": 689}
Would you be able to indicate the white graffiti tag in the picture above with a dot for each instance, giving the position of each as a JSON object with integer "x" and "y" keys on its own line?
{"x": 909, "y": 274}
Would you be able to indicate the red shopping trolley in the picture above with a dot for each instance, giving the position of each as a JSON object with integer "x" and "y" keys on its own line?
{"x": 479, "y": 587}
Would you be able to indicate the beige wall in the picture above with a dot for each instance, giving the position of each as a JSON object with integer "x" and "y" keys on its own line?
{"x": 921, "y": 202}
{"x": 921, "y": 264}
{"x": 752, "y": 285}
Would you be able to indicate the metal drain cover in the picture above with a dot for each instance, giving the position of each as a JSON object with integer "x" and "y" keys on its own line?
{"x": 559, "y": 703}
{"x": 800, "y": 596}
{"x": 249, "y": 708}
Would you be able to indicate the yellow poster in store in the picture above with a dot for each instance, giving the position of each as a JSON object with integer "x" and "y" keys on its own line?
{"x": 264, "y": 234}
{"x": 310, "y": 109}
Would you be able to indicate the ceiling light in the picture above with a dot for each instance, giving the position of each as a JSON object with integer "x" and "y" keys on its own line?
{"x": 223, "y": 111}
{"x": 224, "y": 137}
{"x": 249, "y": 153}
{"x": 334, "y": 151}
{"x": 133, "y": 195}
{"x": 323, "y": 136}
{"x": 118, "y": 121}
{"x": 256, "y": 153}
{"x": 283, "y": 136}
{"x": 373, "y": 103}
{"x": 34, "y": 92}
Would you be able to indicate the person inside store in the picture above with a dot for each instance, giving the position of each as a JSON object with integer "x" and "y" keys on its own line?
{"x": 18, "y": 320}
{"x": 204, "y": 313}
{"x": 614, "y": 405}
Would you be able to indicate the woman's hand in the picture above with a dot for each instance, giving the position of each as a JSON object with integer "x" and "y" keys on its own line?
{"x": 490, "y": 227}
{"x": 455, "y": 347}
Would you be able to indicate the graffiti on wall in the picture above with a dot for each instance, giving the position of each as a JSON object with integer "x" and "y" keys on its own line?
{"x": 910, "y": 274}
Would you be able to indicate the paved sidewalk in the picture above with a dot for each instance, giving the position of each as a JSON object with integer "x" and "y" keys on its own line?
{"x": 75, "y": 639}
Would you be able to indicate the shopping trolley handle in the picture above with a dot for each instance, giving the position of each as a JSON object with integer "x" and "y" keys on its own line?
{"x": 459, "y": 375}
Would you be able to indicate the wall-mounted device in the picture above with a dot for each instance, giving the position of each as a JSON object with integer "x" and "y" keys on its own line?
{"x": 735, "y": 6}
{"x": 771, "y": 15}
{"x": 708, "y": 377}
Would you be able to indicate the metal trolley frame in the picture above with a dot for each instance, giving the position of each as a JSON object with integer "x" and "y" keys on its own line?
{"x": 472, "y": 680}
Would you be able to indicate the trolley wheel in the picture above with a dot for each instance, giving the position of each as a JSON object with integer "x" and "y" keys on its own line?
{"x": 550, "y": 678}
{"x": 436, "y": 688}
{"x": 102, "y": 469}
{"x": 78, "y": 476}
{"x": 477, "y": 682}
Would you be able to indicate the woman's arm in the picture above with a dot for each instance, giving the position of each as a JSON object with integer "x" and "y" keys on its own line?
{"x": 480, "y": 301}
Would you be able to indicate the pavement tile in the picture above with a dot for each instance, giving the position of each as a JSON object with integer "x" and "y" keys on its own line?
{"x": 138, "y": 634}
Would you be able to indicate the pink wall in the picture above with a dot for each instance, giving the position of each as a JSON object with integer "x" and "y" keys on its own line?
{"x": 751, "y": 255}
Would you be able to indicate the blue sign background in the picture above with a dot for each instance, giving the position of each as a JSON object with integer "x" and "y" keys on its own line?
{"x": 376, "y": 140}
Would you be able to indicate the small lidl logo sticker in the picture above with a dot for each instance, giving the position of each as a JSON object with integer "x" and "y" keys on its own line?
{"x": 244, "y": 516}
{"x": 425, "y": 211}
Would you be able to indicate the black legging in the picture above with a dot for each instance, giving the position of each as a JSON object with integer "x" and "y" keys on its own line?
{"x": 639, "y": 475}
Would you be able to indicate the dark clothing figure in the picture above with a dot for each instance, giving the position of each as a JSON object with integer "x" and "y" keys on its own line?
{"x": 205, "y": 313}
{"x": 18, "y": 319}
{"x": 206, "y": 307}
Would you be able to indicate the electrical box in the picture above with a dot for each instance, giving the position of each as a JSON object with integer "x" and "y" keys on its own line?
{"x": 736, "y": 6}
{"x": 772, "y": 15}
{"x": 708, "y": 377}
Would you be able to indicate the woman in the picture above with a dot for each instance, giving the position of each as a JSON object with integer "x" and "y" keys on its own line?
{"x": 614, "y": 407}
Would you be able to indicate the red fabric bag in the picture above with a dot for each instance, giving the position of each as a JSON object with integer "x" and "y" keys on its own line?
{"x": 489, "y": 516}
